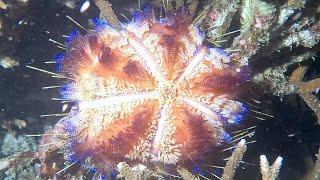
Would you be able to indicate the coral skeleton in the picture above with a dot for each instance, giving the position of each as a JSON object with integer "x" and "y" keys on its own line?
{"x": 270, "y": 173}
{"x": 107, "y": 13}
{"x": 234, "y": 161}
{"x": 307, "y": 89}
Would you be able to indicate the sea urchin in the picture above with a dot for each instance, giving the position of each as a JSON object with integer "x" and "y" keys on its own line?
{"x": 150, "y": 93}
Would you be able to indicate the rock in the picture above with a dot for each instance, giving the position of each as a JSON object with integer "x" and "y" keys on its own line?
{"x": 12, "y": 145}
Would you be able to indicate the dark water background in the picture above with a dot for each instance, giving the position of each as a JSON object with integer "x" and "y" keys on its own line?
{"x": 22, "y": 97}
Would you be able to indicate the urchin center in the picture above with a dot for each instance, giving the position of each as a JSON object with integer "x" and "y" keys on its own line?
{"x": 170, "y": 91}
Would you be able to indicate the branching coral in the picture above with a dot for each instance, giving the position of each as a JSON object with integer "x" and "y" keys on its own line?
{"x": 229, "y": 169}
{"x": 268, "y": 32}
{"x": 270, "y": 173}
{"x": 234, "y": 161}
{"x": 257, "y": 18}
{"x": 307, "y": 89}
{"x": 106, "y": 12}
{"x": 219, "y": 16}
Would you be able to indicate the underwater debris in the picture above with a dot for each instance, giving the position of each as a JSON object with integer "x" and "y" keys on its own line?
{"x": 7, "y": 62}
{"x": 85, "y": 6}
{"x": 10, "y": 124}
{"x": 1, "y": 26}
{"x": 20, "y": 123}
{"x": 23, "y": 1}
{"x": 3, "y": 5}
{"x": 69, "y": 3}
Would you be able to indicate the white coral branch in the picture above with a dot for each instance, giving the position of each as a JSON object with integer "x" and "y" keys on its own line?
{"x": 234, "y": 161}
{"x": 270, "y": 173}
{"x": 107, "y": 13}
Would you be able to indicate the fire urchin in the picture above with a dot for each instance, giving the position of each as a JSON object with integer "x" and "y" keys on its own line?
{"x": 148, "y": 94}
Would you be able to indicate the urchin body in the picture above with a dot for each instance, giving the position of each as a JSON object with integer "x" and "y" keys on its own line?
{"x": 150, "y": 93}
